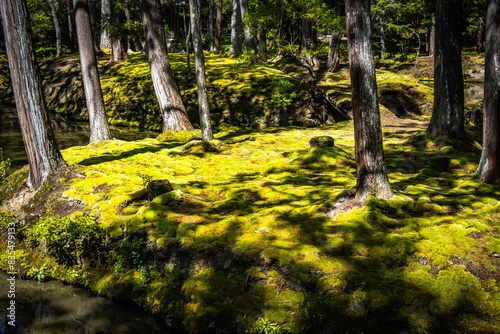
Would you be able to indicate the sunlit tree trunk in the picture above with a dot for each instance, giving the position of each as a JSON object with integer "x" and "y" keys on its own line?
{"x": 218, "y": 24}
{"x": 88, "y": 63}
{"x": 371, "y": 172}
{"x": 43, "y": 155}
{"x": 167, "y": 92}
{"x": 105, "y": 20}
{"x": 211, "y": 45}
{"x": 118, "y": 41}
{"x": 432, "y": 44}
{"x": 236, "y": 29}
{"x": 206, "y": 128}
{"x": 247, "y": 30}
{"x": 448, "y": 113}
{"x": 488, "y": 170}
{"x": 57, "y": 27}
{"x": 333, "y": 52}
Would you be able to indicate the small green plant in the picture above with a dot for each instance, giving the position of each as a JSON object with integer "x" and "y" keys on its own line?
{"x": 38, "y": 273}
{"x": 265, "y": 326}
{"x": 146, "y": 183}
{"x": 283, "y": 94}
{"x": 4, "y": 166}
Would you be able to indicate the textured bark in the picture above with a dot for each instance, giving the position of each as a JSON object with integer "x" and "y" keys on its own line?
{"x": 105, "y": 18}
{"x": 333, "y": 64}
{"x": 488, "y": 170}
{"x": 43, "y": 155}
{"x": 480, "y": 35}
{"x": 57, "y": 27}
{"x": 95, "y": 35}
{"x": 118, "y": 41}
{"x": 382, "y": 37}
{"x": 371, "y": 172}
{"x": 236, "y": 29}
{"x": 201, "y": 82}
{"x": 92, "y": 86}
{"x": 247, "y": 30}
{"x": 306, "y": 34}
{"x": 448, "y": 113}
{"x": 218, "y": 24}
{"x": 188, "y": 52}
{"x": 169, "y": 98}
{"x": 71, "y": 31}
{"x": 262, "y": 41}
{"x": 432, "y": 44}
{"x": 211, "y": 44}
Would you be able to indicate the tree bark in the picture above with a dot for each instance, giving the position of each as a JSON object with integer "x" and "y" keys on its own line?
{"x": 262, "y": 41}
{"x": 236, "y": 29}
{"x": 105, "y": 20}
{"x": 92, "y": 86}
{"x": 488, "y": 170}
{"x": 169, "y": 98}
{"x": 306, "y": 34}
{"x": 118, "y": 40}
{"x": 480, "y": 36}
{"x": 247, "y": 30}
{"x": 382, "y": 37}
{"x": 95, "y": 35}
{"x": 371, "y": 172}
{"x": 201, "y": 82}
{"x": 218, "y": 24}
{"x": 211, "y": 45}
{"x": 71, "y": 32}
{"x": 432, "y": 46}
{"x": 333, "y": 64}
{"x": 188, "y": 52}
{"x": 43, "y": 155}
{"x": 448, "y": 113}
{"x": 57, "y": 27}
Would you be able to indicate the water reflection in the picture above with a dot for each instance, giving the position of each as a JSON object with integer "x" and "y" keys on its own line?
{"x": 56, "y": 308}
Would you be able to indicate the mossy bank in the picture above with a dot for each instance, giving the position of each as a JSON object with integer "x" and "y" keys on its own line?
{"x": 245, "y": 243}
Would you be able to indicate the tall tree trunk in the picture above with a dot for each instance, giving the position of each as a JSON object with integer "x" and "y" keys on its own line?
{"x": 262, "y": 41}
{"x": 71, "y": 32}
{"x": 333, "y": 64}
{"x": 371, "y": 172}
{"x": 169, "y": 98}
{"x": 105, "y": 21}
{"x": 95, "y": 34}
{"x": 489, "y": 165}
{"x": 118, "y": 40}
{"x": 211, "y": 45}
{"x": 188, "y": 53}
{"x": 92, "y": 86}
{"x": 199, "y": 60}
{"x": 306, "y": 34}
{"x": 218, "y": 24}
{"x": 432, "y": 45}
{"x": 448, "y": 113}
{"x": 57, "y": 27}
{"x": 43, "y": 155}
{"x": 247, "y": 30}
{"x": 480, "y": 36}
{"x": 382, "y": 37}
{"x": 236, "y": 29}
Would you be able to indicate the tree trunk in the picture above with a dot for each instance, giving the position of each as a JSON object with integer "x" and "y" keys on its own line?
{"x": 95, "y": 35}
{"x": 169, "y": 98}
{"x": 333, "y": 64}
{"x": 206, "y": 128}
{"x": 247, "y": 30}
{"x": 218, "y": 24}
{"x": 448, "y": 113}
{"x": 71, "y": 32}
{"x": 188, "y": 51}
{"x": 236, "y": 29}
{"x": 488, "y": 170}
{"x": 480, "y": 36}
{"x": 43, "y": 155}
{"x": 432, "y": 46}
{"x": 92, "y": 86}
{"x": 211, "y": 45}
{"x": 306, "y": 34}
{"x": 382, "y": 37}
{"x": 57, "y": 28}
{"x": 105, "y": 20}
{"x": 262, "y": 41}
{"x": 118, "y": 40}
{"x": 371, "y": 172}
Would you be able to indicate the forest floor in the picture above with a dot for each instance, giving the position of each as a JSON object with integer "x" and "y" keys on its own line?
{"x": 246, "y": 242}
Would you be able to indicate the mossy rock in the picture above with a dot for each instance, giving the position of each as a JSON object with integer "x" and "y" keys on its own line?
{"x": 204, "y": 146}
{"x": 321, "y": 141}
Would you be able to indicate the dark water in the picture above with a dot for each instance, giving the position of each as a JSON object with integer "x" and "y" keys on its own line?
{"x": 55, "y": 308}
{"x": 67, "y": 135}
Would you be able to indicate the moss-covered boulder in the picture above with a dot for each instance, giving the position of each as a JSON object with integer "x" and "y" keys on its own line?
{"x": 321, "y": 141}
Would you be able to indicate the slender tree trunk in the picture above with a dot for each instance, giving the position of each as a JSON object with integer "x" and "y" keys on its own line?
{"x": 57, "y": 27}
{"x": 43, "y": 155}
{"x": 371, "y": 172}
{"x": 105, "y": 20}
{"x": 262, "y": 41}
{"x": 118, "y": 41}
{"x": 92, "y": 86}
{"x": 480, "y": 36}
{"x": 169, "y": 98}
{"x": 432, "y": 46}
{"x": 382, "y": 37}
{"x": 206, "y": 128}
{"x": 218, "y": 24}
{"x": 448, "y": 113}
{"x": 188, "y": 53}
{"x": 333, "y": 64}
{"x": 247, "y": 30}
{"x": 211, "y": 45}
{"x": 95, "y": 34}
{"x": 71, "y": 32}
{"x": 418, "y": 48}
{"x": 236, "y": 29}
{"x": 488, "y": 170}
{"x": 306, "y": 34}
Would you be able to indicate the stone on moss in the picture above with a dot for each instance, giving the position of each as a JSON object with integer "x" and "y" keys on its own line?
{"x": 321, "y": 141}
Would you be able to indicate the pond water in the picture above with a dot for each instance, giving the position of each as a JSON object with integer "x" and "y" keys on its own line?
{"x": 56, "y": 308}
{"x": 67, "y": 135}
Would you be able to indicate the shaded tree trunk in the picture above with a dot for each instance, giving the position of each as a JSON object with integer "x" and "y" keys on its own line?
{"x": 218, "y": 24}
{"x": 432, "y": 44}
{"x": 92, "y": 13}
{"x": 382, "y": 37}
{"x": 333, "y": 64}
{"x": 306, "y": 34}
{"x": 92, "y": 86}
{"x": 105, "y": 20}
{"x": 371, "y": 172}
{"x": 488, "y": 169}
{"x": 262, "y": 41}
{"x": 201, "y": 82}
{"x": 41, "y": 148}
{"x": 448, "y": 113}
{"x": 247, "y": 30}
{"x": 71, "y": 32}
{"x": 480, "y": 36}
{"x": 57, "y": 27}
{"x": 169, "y": 98}
{"x": 211, "y": 45}
{"x": 236, "y": 29}
{"x": 188, "y": 52}
{"x": 118, "y": 40}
